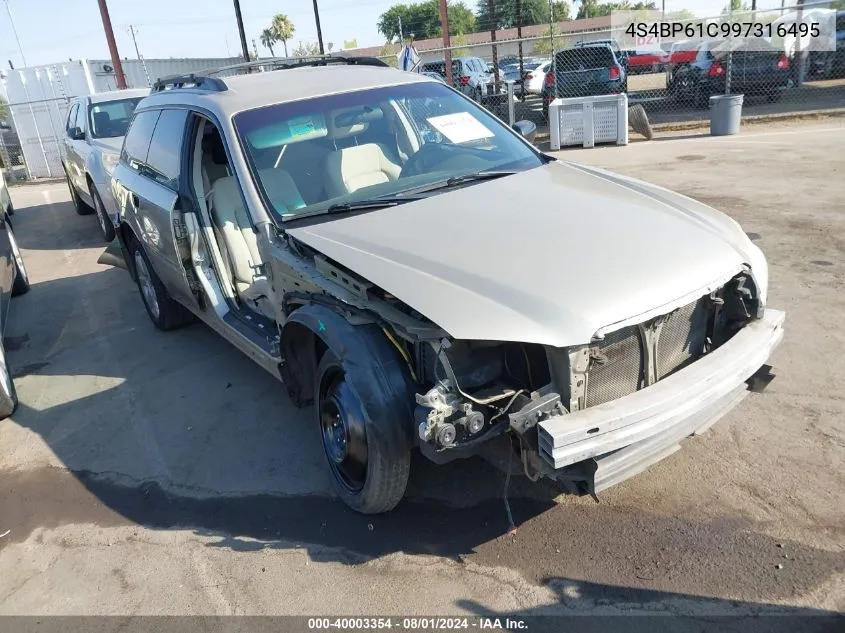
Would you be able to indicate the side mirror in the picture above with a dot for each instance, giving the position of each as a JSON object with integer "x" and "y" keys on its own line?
{"x": 76, "y": 134}
{"x": 526, "y": 129}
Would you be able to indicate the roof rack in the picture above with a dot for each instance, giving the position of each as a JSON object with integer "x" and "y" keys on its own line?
{"x": 202, "y": 82}
{"x": 285, "y": 63}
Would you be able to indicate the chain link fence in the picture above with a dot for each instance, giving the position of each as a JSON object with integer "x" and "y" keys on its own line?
{"x": 672, "y": 79}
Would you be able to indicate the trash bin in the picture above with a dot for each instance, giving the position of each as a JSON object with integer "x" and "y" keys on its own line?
{"x": 725, "y": 114}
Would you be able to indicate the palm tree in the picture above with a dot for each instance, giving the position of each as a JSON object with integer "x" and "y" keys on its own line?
{"x": 267, "y": 40}
{"x": 283, "y": 29}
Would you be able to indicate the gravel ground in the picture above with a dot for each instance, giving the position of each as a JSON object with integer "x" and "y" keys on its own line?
{"x": 164, "y": 473}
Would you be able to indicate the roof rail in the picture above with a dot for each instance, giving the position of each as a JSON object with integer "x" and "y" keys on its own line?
{"x": 285, "y": 63}
{"x": 202, "y": 82}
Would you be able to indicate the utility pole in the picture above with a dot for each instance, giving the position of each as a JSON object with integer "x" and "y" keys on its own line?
{"x": 319, "y": 31}
{"x": 239, "y": 18}
{"x": 119, "y": 77}
{"x": 138, "y": 53}
{"x": 447, "y": 43}
{"x": 519, "y": 38}
{"x": 491, "y": 10}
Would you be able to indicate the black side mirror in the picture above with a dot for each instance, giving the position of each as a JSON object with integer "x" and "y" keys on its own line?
{"x": 76, "y": 134}
{"x": 526, "y": 129}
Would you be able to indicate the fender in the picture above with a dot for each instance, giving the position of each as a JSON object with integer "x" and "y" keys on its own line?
{"x": 375, "y": 371}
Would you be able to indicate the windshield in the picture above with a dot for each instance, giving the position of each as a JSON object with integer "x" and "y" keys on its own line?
{"x": 110, "y": 119}
{"x": 310, "y": 155}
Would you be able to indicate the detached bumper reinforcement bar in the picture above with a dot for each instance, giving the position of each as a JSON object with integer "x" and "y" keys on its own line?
{"x": 627, "y": 435}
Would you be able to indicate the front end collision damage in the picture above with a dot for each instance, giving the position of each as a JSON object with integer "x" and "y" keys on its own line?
{"x": 458, "y": 394}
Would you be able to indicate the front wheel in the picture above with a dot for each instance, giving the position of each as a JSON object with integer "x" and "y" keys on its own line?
{"x": 369, "y": 467}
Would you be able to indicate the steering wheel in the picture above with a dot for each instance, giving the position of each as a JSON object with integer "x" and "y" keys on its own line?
{"x": 428, "y": 158}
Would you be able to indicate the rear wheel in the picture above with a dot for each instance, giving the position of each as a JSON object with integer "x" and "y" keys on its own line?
{"x": 164, "y": 312}
{"x": 369, "y": 467}
{"x": 103, "y": 218}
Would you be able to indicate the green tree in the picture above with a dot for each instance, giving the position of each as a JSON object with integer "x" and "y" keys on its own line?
{"x": 595, "y": 9}
{"x": 459, "y": 46}
{"x": 737, "y": 6}
{"x": 268, "y": 38}
{"x": 306, "y": 49}
{"x": 533, "y": 12}
{"x": 283, "y": 29}
{"x": 422, "y": 20}
{"x": 684, "y": 15}
{"x": 545, "y": 46}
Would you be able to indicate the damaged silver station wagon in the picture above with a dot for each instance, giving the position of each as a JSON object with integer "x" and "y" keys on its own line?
{"x": 427, "y": 279}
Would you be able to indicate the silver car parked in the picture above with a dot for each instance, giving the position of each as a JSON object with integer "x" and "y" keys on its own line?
{"x": 13, "y": 281}
{"x": 93, "y": 135}
{"x": 428, "y": 280}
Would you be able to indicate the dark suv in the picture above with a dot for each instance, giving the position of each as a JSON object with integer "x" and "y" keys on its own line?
{"x": 583, "y": 72}
{"x": 756, "y": 69}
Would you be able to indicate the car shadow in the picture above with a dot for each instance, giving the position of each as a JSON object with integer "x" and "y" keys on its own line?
{"x": 179, "y": 430}
{"x": 35, "y": 228}
{"x": 579, "y": 605}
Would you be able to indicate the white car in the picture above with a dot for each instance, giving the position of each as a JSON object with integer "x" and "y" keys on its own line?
{"x": 535, "y": 79}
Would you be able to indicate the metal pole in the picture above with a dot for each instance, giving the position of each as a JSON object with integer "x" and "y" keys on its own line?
{"x": 730, "y": 50}
{"x": 519, "y": 37}
{"x": 26, "y": 93}
{"x": 447, "y": 42}
{"x": 240, "y": 20}
{"x": 319, "y": 31}
{"x": 491, "y": 9}
{"x": 138, "y": 53}
{"x": 799, "y": 55}
{"x": 552, "y": 42}
{"x": 115, "y": 57}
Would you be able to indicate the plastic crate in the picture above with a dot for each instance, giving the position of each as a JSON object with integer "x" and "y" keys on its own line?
{"x": 588, "y": 121}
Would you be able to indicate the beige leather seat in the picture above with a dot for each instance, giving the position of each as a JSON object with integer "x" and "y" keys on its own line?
{"x": 238, "y": 243}
{"x": 351, "y": 168}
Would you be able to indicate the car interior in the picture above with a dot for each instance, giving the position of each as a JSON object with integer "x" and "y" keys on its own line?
{"x": 303, "y": 161}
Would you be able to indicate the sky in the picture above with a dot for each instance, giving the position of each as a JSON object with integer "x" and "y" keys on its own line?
{"x": 52, "y": 31}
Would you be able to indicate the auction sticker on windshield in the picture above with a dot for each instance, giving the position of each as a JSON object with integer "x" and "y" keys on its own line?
{"x": 460, "y": 127}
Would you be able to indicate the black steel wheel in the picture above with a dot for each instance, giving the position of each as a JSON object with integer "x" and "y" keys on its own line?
{"x": 369, "y": 467}
{"x": 343, "y": 431}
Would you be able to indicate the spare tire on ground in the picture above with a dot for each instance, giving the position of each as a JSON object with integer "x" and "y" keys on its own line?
{"x": 638, "y": 121}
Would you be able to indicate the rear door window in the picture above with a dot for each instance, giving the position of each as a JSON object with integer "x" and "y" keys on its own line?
{"x": 136, "y": 145}
{"x": 165, "y": 151}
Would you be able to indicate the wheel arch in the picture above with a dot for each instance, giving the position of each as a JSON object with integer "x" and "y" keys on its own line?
{"x": 374, "y": 368}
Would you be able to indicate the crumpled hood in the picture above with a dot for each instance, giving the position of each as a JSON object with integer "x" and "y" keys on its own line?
{"x": 548, "y": 256}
